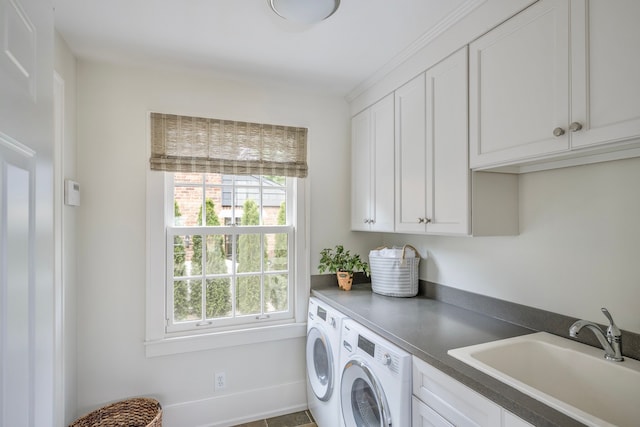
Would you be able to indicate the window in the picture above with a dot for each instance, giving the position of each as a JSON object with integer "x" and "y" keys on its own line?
{"x": 229, "y": 250}
{"x": 227, "y": 259}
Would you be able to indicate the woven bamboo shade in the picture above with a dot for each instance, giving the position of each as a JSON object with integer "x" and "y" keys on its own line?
{"x": 194, "y": 144}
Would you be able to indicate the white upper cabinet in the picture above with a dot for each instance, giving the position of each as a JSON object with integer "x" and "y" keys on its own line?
{"x": 605, "y": 61}
{"x": 554, "y": 82}
{"x": 411, "y": 156}
{"x": 447, "y": 146}
{"x": 432, "y": 171}
{"x": 519, "y": 86}
{"x": 372, "y": 151}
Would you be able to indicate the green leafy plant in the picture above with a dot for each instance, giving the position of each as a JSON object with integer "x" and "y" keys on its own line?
{"x": 340, "y": 259}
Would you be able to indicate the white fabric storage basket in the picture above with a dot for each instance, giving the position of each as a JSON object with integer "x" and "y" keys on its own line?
{"x": 394, "y": 275}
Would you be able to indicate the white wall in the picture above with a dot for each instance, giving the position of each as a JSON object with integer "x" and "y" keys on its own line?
{"x": 578, "y": 248}
{"x": 65, "y": 67}
{"x": 113, "y": 102}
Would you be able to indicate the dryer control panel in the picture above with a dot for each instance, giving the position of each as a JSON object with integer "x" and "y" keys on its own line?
{"x": 375, "y": 352}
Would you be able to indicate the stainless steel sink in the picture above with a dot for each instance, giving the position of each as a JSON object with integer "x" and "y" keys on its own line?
{"x": 571, "y": 377}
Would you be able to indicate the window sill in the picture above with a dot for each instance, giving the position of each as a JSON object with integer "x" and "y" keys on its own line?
{"x": 186, "y": 344}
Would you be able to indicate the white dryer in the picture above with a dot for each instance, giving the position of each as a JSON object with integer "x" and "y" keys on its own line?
{"x": 375, "y": 386}
{"x": 323, "y": 373}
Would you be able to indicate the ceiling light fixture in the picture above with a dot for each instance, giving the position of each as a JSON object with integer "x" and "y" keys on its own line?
{"x": 304, "y": 11}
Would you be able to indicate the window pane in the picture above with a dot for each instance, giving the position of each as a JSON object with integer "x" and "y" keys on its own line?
{"x": 227, "y": 200}
{"x": 187, "y": 300}
{"x": 213, "y": 178}
{"x": 273, "y": 207}
{"x": 249, "y": 256}
{"x": 219, "y": 297}
{"x": 179, "y": 256}
{"x": 226, "y": 274}
{"x": 276, "y": 251}
{"x": 216, "y": 254}
{"x": 243, "y": 180}
{"x": 248, "y": 295}
{"x": 249, "y": 212}
{"x": 274, "y": 181}
{"x": 195, "y": 264}
{"x": 187, "y": 205}
{"x": 187, "y": 178}
{"x": 276, "y": 297}
{"x": 212, "y": 209}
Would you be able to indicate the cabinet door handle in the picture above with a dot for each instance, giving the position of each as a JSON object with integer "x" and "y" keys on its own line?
{"x": 366, "y": 221}
{"x": 427, "y": 220}
{"x": 558, "y": 132}
{"x": 420, "y": 220}
{"x": 575, "y": 127}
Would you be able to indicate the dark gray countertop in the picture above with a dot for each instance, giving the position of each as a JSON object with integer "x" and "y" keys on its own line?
{"x": 428, "y": 328}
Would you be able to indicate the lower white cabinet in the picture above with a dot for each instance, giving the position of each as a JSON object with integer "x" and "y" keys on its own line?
{"x": 510, "y": 420}
{"x": 424, "y": 416}
{"x": 439, "y": 400}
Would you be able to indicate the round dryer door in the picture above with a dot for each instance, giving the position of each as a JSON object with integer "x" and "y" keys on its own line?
{"x": 320, "y": 362}
{"x": 363, "y": 401}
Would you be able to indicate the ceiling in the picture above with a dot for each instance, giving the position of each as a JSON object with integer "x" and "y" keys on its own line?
{"x": 245, "y": 39}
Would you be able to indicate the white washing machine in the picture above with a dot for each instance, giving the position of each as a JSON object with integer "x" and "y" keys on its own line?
{"x": 375, "y": 386}
{"x": 323, "y": 372}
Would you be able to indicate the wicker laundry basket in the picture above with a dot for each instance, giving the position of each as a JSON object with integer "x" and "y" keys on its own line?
{"x": 135, "y": 412}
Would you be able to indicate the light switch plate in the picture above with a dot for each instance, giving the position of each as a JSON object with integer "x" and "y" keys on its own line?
{"x": 71, "y": 193}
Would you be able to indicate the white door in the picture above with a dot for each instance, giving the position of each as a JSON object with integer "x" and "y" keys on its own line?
{"x": 320, "y": 364}
{"x": 372, "y": 166}
{"x": 424, "y": 416}
{"x": 361, "y": 171}
{"x": 26, "y": 213}
{"x": 411, "y": 173}
{"x": 447, "y": 146}
{"x": 382, "y": 176}
{"x": 605, "y": 38}
{"x": 362, "y": 400}
{"x": 519, "y": 87}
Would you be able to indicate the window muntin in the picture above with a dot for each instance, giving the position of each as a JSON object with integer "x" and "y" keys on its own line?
{"x": 229, "y": 251}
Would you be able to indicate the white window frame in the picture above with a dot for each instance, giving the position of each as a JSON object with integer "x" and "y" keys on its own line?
{"x": 158, "y": 341}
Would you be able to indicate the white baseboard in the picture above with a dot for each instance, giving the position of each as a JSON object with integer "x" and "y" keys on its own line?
{"x": 237, "y": 408}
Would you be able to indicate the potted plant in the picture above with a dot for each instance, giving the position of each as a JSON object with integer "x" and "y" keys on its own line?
{"x": 343, "y": 264}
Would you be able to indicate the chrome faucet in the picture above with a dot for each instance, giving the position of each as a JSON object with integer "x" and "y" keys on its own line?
{"x": 611, "y": 342}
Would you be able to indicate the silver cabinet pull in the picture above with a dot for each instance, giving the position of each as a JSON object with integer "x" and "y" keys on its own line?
{"x": 427, "y": 220}
{"x": 558, "y": 132}
{"x": 575, "y": 127}
{"x": 420, "y": 220}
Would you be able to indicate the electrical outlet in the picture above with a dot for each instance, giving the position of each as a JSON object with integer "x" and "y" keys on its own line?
{"x": 221, "y": 381}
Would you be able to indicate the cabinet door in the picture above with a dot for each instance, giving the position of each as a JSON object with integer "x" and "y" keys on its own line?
{"x": 360, "y": 170}
{"x": 454, "y": 401}
{"x": 424, "y": 416}
{"x": 605, "y": 38}
{"x": 519, "y": 86}
{"x": 382, "y": 151}
{"x": 447, "y": 153}
{"x": 510, "y": 420}
{"x": 411, "y": 173}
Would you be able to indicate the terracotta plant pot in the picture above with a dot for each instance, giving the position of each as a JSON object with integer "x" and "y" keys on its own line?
{"x": 345, "y": 280}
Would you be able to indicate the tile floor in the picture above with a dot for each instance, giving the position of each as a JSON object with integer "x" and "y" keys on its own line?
{"x": 297, "y": 419}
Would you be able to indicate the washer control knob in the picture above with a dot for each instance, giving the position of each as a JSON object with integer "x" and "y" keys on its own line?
{"x": 386, "y": 359}
{"x": 332, "y": 322}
